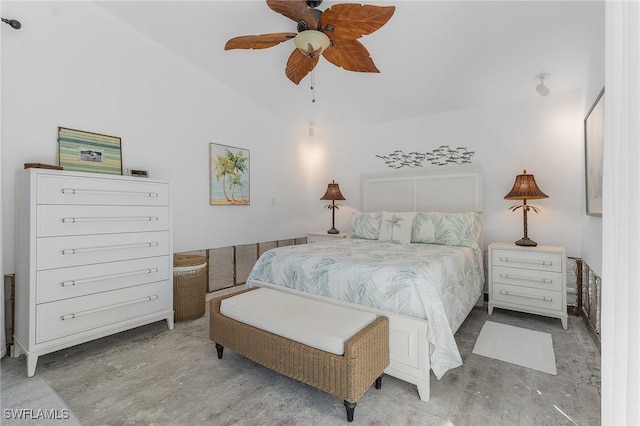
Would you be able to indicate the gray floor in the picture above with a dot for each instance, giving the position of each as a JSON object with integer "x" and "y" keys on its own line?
{"x": 154, "y": 376}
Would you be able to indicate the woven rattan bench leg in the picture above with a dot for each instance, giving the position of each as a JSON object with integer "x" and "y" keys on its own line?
{"x": 379, "y": 382}
{"x": 350, "y": 406}
{"x": 220, "y": 349}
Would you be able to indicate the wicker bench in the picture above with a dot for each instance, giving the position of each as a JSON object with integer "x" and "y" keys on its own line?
{"x": 348, "y": 376}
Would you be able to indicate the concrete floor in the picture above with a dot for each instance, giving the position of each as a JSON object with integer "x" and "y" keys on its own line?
{"x": 154, "y": 376}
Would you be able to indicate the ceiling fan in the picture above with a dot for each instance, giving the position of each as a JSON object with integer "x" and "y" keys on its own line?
{"x": 332, "y": 33}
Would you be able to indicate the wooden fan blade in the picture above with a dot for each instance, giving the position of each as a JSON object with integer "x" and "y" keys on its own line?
{"x": 350, "y": 55}
{"x": 261, "y": 41}
{"x": 299, "y": 65}
{"x": 351, "y": 21}
{"x": 296, "y": 10}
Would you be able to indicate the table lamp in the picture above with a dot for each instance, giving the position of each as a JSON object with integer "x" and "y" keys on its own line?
{"x": 525, "y": 188}
{"x": 333, "y": 193}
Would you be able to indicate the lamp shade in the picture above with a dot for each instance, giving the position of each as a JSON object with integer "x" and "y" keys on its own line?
{"x": 333, "y": 192}
{"x": 311, "y": 42}
{"x": 525, "y": 188}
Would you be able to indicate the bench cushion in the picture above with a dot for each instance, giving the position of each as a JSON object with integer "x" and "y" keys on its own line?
{"x": 317, "y": 324}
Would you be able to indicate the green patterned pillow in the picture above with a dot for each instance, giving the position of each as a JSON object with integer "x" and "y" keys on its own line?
{"x": 451, "y": 229}
{"x": 396, "y": 227}
{"x": 365, "y": 226}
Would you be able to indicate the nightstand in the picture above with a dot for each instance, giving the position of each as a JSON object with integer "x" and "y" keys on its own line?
{"x": 528, "y": 279}
{"x": 314, "y": 237}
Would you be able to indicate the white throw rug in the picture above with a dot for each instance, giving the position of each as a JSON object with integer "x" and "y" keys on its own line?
{"x": 527, "y": 348}
{"x": 34, "y": 402}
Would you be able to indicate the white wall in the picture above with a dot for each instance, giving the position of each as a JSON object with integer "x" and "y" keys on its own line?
{"x": 74, "y": 65}
{"x": 541, "y": 135}
{"x": 591, "y": 226}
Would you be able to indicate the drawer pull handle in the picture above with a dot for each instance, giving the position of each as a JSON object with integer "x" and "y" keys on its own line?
{"x": 106, "y": 277}
{"x": 534, "y": 262}
{"x": 72, "y": 191}
{"x": 528, "y": 296}
{"x": 110, "y": 219}
{"x": 106, "y": 308}
{"x": 107, "y": 248}
{"x": 520, "y": 277}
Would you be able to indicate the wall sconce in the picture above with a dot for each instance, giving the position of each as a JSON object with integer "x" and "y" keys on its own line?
{"x": 525, "y": 188}
{"x": 541, "y": 88}
{"x": 333, "y": 193}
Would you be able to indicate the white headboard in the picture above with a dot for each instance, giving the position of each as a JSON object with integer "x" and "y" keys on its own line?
{"x": 421, "y": 190}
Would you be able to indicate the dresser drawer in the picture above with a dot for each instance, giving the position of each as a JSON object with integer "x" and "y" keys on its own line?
{"x": 65, "y": 283}
{"x": 528, "y": 260}
{"x": 54, "y": 189}
{"x": 527, "y": 297}
{"x": 59, "y": 220}
{"x": 70, "y": 316}
{"x": 528, "y": 278}
{"x": 61, "y": 252}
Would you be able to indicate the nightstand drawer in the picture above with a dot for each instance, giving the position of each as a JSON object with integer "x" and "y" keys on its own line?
{"x": 528, "y": 278}
{"x": 528, "y": 260}
{"x": 527, "y": 297}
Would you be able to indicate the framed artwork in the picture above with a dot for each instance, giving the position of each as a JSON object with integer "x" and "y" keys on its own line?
{"x": 82, "y": 151}
{"x": 229, "y": 182}
{"x": 593, "y": 144}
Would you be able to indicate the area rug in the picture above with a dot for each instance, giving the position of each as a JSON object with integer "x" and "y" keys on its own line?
{"x": 34, "y": 402}
{"x": 515, "y": 345}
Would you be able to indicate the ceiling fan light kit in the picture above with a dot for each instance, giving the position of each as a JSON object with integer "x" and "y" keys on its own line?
{"x": 332, "y": 33}
{"x": 312, "y": 42}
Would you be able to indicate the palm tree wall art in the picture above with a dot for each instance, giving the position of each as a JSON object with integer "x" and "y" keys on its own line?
{"x": 228, "y": 175}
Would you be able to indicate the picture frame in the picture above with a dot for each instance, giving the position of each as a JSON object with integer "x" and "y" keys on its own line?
{"x": 229, "y": 175}
{"x": 83, "y": 151}
{"x": 593, "y": 153}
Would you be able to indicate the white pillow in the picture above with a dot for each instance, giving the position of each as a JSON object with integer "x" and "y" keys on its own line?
{"x": 396, "y": 227}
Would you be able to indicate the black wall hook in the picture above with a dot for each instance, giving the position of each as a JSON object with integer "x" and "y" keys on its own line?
{"x": 16, "y": 25}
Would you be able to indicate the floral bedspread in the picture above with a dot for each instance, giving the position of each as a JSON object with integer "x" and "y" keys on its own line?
{"x": 434, "y": 282}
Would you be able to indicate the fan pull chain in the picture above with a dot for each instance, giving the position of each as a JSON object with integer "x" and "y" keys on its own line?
{"x": 313, "y": 85}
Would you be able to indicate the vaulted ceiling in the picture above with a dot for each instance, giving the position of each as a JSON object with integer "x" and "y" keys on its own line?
{"x": 434, "y": 56}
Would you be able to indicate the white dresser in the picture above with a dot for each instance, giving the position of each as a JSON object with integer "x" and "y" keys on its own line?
{"x": 528, "y": 279}
{"x": 93, "y": 258}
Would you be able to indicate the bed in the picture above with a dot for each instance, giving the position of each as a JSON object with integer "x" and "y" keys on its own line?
{"x": 414, "y": 254}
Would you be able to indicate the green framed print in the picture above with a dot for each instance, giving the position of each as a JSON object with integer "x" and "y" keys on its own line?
{"x": 229, "y": 177}
{"x": 82, "y": 151}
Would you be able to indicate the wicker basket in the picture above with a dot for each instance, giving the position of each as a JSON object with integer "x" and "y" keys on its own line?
{"x": 189, "y": 286}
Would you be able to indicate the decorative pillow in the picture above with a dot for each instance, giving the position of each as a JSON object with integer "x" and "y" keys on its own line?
{"x": 452, "y": 229}
{"x": 365, "y": 226}
{"x": 396, "y": 227}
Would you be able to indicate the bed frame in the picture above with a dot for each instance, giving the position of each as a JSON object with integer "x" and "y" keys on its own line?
{"x": 454, "y": 190}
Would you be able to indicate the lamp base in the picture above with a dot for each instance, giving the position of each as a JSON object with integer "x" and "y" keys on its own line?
{"x": 333, "y": 231}
{"x": 526, "y": 242}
